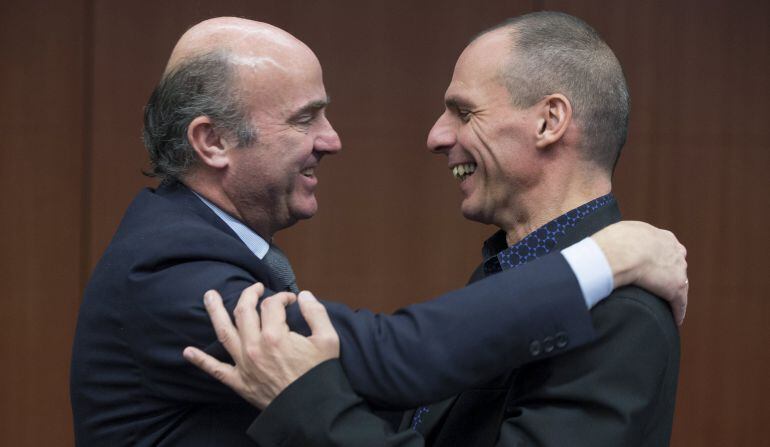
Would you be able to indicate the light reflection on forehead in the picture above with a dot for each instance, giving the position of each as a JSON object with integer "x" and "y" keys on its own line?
{"x": 264, "y": 32}
{"x": 255, "y": 62}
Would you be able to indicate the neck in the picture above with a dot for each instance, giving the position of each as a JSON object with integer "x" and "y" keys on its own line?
{"x": 549, "y": 201}
{"x": 213, "y": 192}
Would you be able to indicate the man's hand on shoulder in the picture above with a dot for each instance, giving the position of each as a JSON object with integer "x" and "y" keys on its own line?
{"x": 651, "y": 258}
{"x": 268, "y": 356}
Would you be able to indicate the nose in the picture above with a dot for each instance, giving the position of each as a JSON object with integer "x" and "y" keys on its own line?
{"x": 327, "y": 140}
{"x": 442, "y": 135}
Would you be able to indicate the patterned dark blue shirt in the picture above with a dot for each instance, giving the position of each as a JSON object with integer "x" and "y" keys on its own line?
{"x": 498, "y": 256}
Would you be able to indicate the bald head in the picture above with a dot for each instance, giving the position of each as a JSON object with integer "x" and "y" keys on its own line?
{"x": 248, "y": 43}
{"x": 218, "y": 69}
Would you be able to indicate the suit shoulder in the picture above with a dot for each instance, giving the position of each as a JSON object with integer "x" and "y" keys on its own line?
{"x": 153, "y": 221}
{"x": 157, "y": 233}
{"x": 636, "y": 307}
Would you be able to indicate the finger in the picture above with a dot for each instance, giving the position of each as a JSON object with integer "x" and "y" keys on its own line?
{"x": 314, "y": 313}
{"x": 683, "y": 306}
{"x": 679, "y": 313}
{"x": 274, "y": 312}
{"x": 679, "y": 304}
{"x": 317, "y": 319}
{"x": 221, "y": 371}
{"x": 223, "y": 326}
{"x": 246, "y": 317}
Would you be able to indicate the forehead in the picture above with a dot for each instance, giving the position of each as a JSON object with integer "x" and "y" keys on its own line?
{"x": 280, "y": 83}
{"x": 477, "y": 73}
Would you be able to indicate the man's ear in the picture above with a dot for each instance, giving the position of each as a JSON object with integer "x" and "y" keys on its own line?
{"x": 208, "y": 143}
{"x": 554, "y": 117}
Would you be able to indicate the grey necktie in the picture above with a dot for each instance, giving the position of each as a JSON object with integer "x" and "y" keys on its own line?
{"x": 281, "y": 269}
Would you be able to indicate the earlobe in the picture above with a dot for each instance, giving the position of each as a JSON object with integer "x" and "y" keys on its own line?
{"x": 210, "y": 147}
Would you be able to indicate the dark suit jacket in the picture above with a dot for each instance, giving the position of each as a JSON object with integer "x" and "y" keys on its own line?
{"x": 618, "y": 390}
{"x": 143, "y": 305}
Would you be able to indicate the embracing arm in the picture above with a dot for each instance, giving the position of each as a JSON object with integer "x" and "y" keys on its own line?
{"x": 469, "y": 336}
{"x": 385, "y": 356}
{"x": 429, "y": 351}
{"x": 320, "y": 409}
{"x": 617, "y": 390}
{"x": 399, "y": 360}
{"x": 611, "y": 385}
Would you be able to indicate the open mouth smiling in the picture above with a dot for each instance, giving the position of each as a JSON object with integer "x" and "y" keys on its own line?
{"x": 308, "y": 172}
{"x": 463, "y": 170}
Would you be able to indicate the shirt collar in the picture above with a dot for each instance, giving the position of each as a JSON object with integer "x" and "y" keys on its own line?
{"x": 498, "y": 256}
{"x": 253, "y": 241}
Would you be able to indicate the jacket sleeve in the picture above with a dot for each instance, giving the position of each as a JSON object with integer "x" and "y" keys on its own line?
{"x": 422, "y": 353}
{"x": 617, "y": 390}
{"x": 429, "y": 351}
{"x": 320, "y": 409}
{"x": 606, "y": 393}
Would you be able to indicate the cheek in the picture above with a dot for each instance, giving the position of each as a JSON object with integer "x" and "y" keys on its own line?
{"x": 491, "y": 132}
{"x": 294, "y": 150}
{"x": 484, "y": 147}
{"x": 509, "y": 148}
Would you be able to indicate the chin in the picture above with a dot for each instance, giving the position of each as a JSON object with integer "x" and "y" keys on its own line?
{"x": 471, "y": 215}
{"x": 304, "y": 210}
{"x": 475, "y": 213}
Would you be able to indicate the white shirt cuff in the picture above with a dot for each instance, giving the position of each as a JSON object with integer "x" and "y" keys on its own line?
{"x": 592, "y": 270}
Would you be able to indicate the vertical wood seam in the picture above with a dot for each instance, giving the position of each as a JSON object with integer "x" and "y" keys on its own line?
{"x": 87, "y": 140}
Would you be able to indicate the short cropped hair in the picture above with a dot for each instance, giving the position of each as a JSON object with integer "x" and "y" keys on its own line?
{"x": 203, "y": 85}
{"x": 553, "y": 52}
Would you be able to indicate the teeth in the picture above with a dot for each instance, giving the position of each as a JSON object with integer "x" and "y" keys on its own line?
{"x": 463, "y": 170}
{"x": 308, "y": 172}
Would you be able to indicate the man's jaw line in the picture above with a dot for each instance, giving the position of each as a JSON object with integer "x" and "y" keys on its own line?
{"x": 511, "y": 217}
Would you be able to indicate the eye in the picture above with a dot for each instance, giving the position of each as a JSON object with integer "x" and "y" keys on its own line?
{"x": 304, "y": 120}
{"x": 303, "y": 123}
{"x": 465, "y": 115}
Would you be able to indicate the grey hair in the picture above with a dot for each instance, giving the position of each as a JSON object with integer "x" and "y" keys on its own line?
{"x": 553, "y": 52}
{"x": 203, "y": 85}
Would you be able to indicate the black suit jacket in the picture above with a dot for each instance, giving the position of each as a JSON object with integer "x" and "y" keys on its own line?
{"x": 618, "y": 390}
{"x": 143, "y": 305}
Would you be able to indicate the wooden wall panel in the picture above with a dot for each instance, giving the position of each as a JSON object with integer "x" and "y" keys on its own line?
{"x": 41, "y": 170}
{"x": 389, "y": 231}
{"x": 696, "y": 162}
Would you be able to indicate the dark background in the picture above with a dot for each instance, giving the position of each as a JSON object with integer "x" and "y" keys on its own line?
{"x": 76, "y": 74}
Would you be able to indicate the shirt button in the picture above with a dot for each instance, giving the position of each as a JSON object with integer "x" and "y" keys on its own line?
{"x": 548, "y": 344}
{"x": 561, "y": 340}
{"x": 535, "y": 348}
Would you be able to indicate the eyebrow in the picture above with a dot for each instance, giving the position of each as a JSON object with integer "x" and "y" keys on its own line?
{"x": 457, "y": 103}
{"x": 311, "y": 107}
